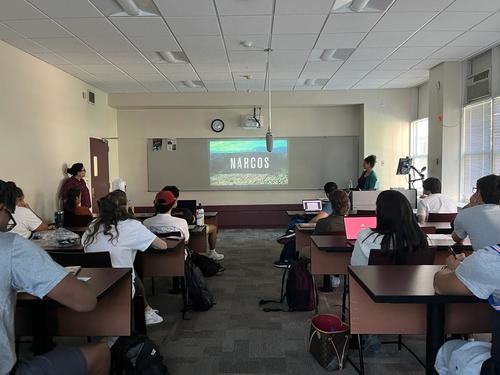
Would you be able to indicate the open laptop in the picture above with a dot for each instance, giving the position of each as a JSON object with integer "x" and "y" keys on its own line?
{"x": 189, "y": 204}
{"x": 355, "y": 224}
{"x": 312, "y": 205}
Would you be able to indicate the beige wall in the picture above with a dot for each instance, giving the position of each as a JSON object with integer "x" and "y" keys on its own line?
{"x": 380, "y": 117}
{"x": 45, "y": 123}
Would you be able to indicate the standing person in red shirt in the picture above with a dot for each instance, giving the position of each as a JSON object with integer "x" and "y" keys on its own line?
{"x": 76, "y": 181}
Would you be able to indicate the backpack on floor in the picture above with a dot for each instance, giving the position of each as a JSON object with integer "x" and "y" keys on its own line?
{"x": 198, "y": 296}
{"x": 207, "y": 266}
{"x": 136, "y": 355}
{"x": 300, "y": 291}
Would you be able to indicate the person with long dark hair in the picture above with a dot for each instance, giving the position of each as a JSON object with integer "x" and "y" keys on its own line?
{"x": 397, "y": 230}
{"x": 368, "y": 179}
{"x": 76, "y": 181}
{"x": 73, "y": 204}
{"x": 27, "y": 221}
{"x": 115, "y": 230}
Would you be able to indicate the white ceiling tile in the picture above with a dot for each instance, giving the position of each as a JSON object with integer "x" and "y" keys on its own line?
{"x": 131, "y": 57}
{"x": 292, "y": 42}
{"x": 492, "y": 23}
{"x": 219, "y": 85}
{"x": 142, "y": 69}
{"x": 51, "y": 58}
{"x": 298, "y": 24}
{"x": 182, "y": 76}
{"x": 101, "y": 69}
{"x": 432, "y": 38}
{"x": 238, "y": 76}
{"x": 123, "y": 87}
{"x": 246, "y": 7}
{"x": 385, "y": 38}
{"x": 19, "y": 10}
{"x": 8, "y": 33}
{"x": 476, "y": 38}
{"x": 27, "y": 45}
{"x": 415, "y": 73}
{"x": 474, "y": 6}
{"x": 340, "y": 84}
{"x": 360, "y": 64}
{"x": 141, "y": 26}
{"x": 88, "y": 26}
{"x": 185, "y": 8}
{"x": 190, "y": 89}
{"x": 282, "y": 85}
{"x": 401, "y": 21}
{"x": 214, "y": 76}
{"x": 329, "y": 67}
{"x": 370, "y": 53}
{"x": 204, "y": 49}
{"x": 241, "y": 57}
{"x": 38, "y": 28}
{"x": 288, "y": 60}
{"x": 405, "y": 53}
{"x": 383, "y": 74}
{"x": 456, "y": 21}
{"x": 350, "y": 74}
{"x": 194, "y": 25}
{"x": 284, "y": 75}
{"x": 253, "y": 85}
{"x": 234, "y": 42}
{"x": 255, "y": 66}
{"x": 87, "y": 57}
{"x": 73, "y": 70}
{"x": 419, "y": 6}
{"x": 164, "y": 86}
{"x": 370, "y": 84}
{"x": 339, "y": 40}
{"x": 427, "y": 64}
{"x": 303, "y": 7}
{"x": 147, "y": 77}
{"x": 398, "y": 64}
{"x": 67, "y": 8}
{"x": 175, "y": 68}
{"x": 350, "y": 22}
{"x": 238, "y": 25}
{"x": 108, "y": 43}
{"x": 301, "y": 87}
{"x": 212, "y": 68}
{"x": 456, "y": 53}
{"x": 155, "y": 43}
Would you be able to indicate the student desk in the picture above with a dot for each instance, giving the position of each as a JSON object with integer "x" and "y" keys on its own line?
{"x": 198, "y": 238}
{"x": 443, "y": 241}
{"x": 401, "y": 300}
{"x": 211, "y": 218}
{"x": 52, "y": 246}
{"x": 111, "y": 317}
{"x": 303, "y": 234}
{"x": 441, "y": 227}
{"x": 169, "y": 262}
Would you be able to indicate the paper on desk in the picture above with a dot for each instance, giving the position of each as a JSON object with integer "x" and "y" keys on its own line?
{"x": 84, "y": 279}
{"x": 439, "y": 236}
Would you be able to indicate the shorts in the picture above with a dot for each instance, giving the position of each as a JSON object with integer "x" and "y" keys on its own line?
{"x": 57, "y": 362}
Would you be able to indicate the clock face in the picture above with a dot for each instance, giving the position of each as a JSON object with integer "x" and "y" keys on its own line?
{"x": 217, "y": 125}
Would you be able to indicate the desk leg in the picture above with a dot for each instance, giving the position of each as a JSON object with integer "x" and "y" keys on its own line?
{"x": 327, "y": 284}
{"x": 435, "y": 335}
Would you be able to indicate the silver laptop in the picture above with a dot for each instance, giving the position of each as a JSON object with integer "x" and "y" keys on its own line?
{"x": 312, "y": 205}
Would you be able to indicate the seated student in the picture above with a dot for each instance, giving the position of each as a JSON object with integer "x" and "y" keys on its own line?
{"x": 481, "y": 220}
{"x": 117, "y": 232}
{"x": 326, "y": 210}
{"x": 27, "y": 221}
{"x": 434, "y": 202}
{"x": 163, "y": 221}
{"x": 397, "y": 229}
{"x": 477, "y": 274}
{"x": 18, "y": 258}
{"x": 339, "y": 202}
{"x": 73, "y": 207}
{"x": 187, "y": 215}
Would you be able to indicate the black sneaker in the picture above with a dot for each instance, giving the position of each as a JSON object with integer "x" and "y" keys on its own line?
{"x": 282, "y": 264}
{"x": 286, "y": 238}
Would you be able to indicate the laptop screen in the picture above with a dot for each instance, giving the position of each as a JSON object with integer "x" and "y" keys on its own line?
{"x": 312, "y": 205}
{"x": 355, "y": 224}
{"x": 189, "y": 204}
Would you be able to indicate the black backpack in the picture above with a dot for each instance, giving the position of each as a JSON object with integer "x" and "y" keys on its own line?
{"x": 137, "y": 355}
{"x": 198, "y": 296}
{"x": 300, "y": 289}
{"x": 208, "y": 266}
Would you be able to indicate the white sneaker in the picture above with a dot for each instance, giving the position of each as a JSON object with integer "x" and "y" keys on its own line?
{"x": 152, "y": 317}
{"x": 212, "y": 254}
{"x": 335, "y": 281}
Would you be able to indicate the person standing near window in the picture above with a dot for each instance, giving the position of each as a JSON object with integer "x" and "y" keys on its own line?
{"x": 76, "y": 181}
{"x": 368, "y": 179}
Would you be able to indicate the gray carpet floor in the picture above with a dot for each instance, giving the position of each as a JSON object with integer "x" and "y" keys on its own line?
{"x": 236, "y": 337}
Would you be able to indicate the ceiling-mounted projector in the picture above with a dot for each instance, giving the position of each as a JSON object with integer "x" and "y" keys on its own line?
{"x": 253, "y": 121}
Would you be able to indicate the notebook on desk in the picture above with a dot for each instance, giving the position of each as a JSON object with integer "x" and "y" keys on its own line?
{"x": 312, "y": 205}
{"x": 355, "y": 224}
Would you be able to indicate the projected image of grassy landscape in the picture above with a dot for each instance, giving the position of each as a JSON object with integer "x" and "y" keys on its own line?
{"x": 246, "y": 162}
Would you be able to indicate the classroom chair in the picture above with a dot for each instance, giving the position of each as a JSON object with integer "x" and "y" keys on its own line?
{"x": 429, "y": 230}
{"x": 76, "y": 220}
{"x": 85, "y": 260}
{"x": 441, "y": 218}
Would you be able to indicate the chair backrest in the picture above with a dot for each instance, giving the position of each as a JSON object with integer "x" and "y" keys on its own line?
{"x": 394, "y": 257}
{"x": 364, "y": 213}
{"x": 428, "y": 230}
{"x": 438, "y": 218}
{"x": 168, "y": 234}
{"x": 71, "y": 220}
{"x": 86, "y": 260}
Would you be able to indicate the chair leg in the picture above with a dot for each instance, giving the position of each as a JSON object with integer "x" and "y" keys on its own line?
{"x": 184, "y": 297}
{"x": 361, "y": 358}
{"x": 400, "y": 342}
{"x": 282, "y": 296}
{"x": 344, "y": 298}
{"x": 153, "y": 286}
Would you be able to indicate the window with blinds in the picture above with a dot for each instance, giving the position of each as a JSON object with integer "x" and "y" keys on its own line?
{"x": 496, "y": 136}
{"x": 419, "y": 139}
{"x": 477, "y": 145}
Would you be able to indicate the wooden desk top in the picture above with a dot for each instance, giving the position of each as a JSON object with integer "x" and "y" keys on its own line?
{"x": 51, "y": 246}
{"x": 333, "y": 244}
{"x": 403, "y": 284}
{"x": 102, "y": 280}
{"x": 437, "y": 225}
{"x": 293, "y": 213}
{"x": 445, "y": 240}
{"x": 306, "y": 227}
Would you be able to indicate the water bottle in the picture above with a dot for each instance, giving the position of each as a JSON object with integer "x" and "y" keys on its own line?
{"x": 200, "y": 215}
{"x": 350, "y": 186}
{"x": 59, "y": 219}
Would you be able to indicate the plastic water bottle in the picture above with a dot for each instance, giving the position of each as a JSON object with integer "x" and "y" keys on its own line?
{"x": 200, "y": 215}
{"x": 350, "y": 186}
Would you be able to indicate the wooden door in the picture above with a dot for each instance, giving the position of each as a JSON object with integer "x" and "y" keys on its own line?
{"x": 99, "y": 170}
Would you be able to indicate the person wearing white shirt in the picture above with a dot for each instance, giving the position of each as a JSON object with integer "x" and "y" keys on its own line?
{"x": 117, "y": 232}
{"x": 163, "y": 221}
{"x": 434, "y": 202}
{"x": 27, "y": 221}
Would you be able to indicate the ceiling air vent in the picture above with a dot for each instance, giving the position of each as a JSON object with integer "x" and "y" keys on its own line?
{"x": 478, "y": 86}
